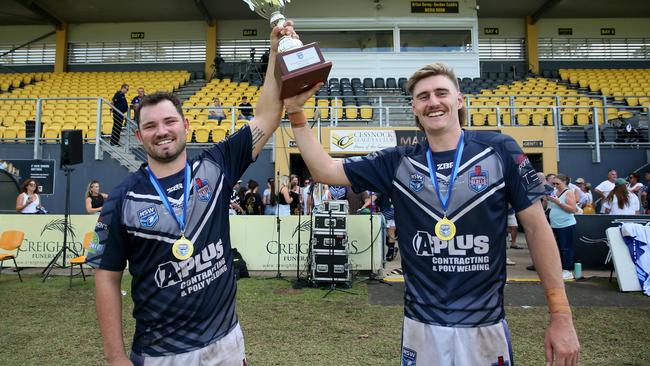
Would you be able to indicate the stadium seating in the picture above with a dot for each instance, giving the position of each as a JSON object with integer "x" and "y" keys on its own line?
{"x": 81, "y": 114}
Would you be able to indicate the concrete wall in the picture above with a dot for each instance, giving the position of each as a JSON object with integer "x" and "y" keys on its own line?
{"x": 578, "y": 163}
{"x": 108, "y": 172}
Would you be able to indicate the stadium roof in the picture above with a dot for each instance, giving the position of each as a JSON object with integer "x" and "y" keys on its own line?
{"x": 25, "y": 12}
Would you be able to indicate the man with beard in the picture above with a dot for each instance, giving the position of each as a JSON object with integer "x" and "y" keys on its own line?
{"x": 169, "y": 221}
{"x": 451, "y": 245}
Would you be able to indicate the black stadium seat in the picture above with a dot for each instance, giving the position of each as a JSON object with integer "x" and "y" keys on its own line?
{"x": 391, "y": 83}
{"x": 368, "y": 84}
{"x": 379, "y": 83}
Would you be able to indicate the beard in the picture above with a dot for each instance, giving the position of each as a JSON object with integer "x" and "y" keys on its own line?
{"x": 168, "y": 155}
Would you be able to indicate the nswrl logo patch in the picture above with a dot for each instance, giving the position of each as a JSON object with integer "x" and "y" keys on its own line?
{"x": 416, "y": 182}
{"x": 478, "y": 179}
{"x": 408, "y": 357}
{"x": 148, "y": 217}
{"x": 203, "y": 189}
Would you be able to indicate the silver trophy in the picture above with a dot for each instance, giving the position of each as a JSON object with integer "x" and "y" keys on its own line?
{"x": 272, "y": 10}
{"x": 300, "y": 66}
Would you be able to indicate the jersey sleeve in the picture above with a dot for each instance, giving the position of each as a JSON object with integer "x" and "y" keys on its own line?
{"x": 523, "y": 186}
{"x": 234, "y": 154}
{"x": 373, "y": 172}
{"x": 108, "y": 249}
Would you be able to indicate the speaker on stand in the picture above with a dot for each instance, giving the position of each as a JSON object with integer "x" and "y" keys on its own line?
{"x": 71, "y": 154}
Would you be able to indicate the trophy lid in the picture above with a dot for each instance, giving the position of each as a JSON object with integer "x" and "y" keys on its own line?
{"x": 266, "y": 8}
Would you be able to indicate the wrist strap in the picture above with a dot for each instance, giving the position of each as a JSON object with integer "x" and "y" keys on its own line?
{"x": 557, "y": 301}
{"x": 297, "y": 119}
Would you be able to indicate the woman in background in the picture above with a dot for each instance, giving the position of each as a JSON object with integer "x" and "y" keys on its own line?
{"x": 562, "y": 209}
{"x": 28, "y": 202}
{"x": 284, "y": 198}
{"x": 269, "y": 198}
{"x": 620, "y": 201}
{"x": 94, "y": 199}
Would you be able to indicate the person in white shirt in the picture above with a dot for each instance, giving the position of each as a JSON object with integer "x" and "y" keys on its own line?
{"x": 620, "y": 201}
{"x": 28, "y": 202}
{"x": 584, "y": 196}
{"x": 602, "y": 190}
{"x": 635, "y": 187}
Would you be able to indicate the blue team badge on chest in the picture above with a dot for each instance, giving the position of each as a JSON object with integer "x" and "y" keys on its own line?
{"x": 203, "y": 189}
{"x": 408, "y": 357}
{"x": 148, "y": 217}
{"x": 478, "y": 179}
{"x": 416, "y": 182}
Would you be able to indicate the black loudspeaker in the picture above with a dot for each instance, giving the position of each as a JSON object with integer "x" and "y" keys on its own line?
{"x": 71, "y": 147}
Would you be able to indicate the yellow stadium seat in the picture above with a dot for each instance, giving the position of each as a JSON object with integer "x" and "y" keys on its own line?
{"x": 366, "y": 112}
{"x": 522, "y": 118}
{"x": 567, "y": 118}
{"x": 202, "y": 134}
{"x": 351, "y": 112}
{"x": 478, "y": 118}
{"x": 582, "y": 118}
{"x": 219, "y": 133}
{"x": 240, "y": 123}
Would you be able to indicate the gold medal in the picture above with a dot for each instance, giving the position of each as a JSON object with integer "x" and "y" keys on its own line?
{"x": 182, "y": 248}
{"x": 445, "y": 229}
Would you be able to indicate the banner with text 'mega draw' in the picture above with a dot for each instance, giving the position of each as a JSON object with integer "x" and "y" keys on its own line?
{"x": 256, "y": 238}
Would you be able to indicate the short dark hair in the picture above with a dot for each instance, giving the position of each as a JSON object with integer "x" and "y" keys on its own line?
{"x": 157, "y": 97}
{"x": 125, "y": 85}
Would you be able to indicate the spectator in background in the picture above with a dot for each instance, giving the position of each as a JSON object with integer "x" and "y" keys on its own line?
{"x": 119, "y": 102}
{"x": 269, "y": 198}
{"x": 585, "y": 197}
{"x": 252, "y": 199}
{"x": 245, "y": 109}
{"x": 284, "y": 198}
{"x": 646, "y": 192}
{"x": 94, "y": 199}
{"x": 294, "y": 192}
{"x": 217, "y": 112}
{"x": 356, "y": 200}
{"x": 135, "y": 102}
{"x": 620, "y": 201}
{"x": 563, "y": 222}
{"x": 264, "y": 62}
{"x": 28, "y": 201}
{"x": 602, "y": 190}
{"x": 235, "y": 200}
{"x": 304, "y": 192}
{"x": 635, "y": 187}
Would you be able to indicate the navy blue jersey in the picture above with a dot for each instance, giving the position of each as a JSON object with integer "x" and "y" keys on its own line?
{"x": 179, "y": 306}
{"x": 457, "y": 282}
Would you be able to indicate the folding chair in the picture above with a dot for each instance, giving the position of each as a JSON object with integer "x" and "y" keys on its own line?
{"x": 81, "y": 260}
{"x": 11, "y": 240}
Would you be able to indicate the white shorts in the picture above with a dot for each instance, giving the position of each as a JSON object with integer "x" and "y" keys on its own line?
{"x": 512, "y": 220}
{"x": 433, "y": 345}
{"x": 227, "y": 351}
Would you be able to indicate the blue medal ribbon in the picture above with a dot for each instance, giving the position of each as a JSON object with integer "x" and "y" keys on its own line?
{"x": 444, "y": 201}
{"x": 163, "y": 197}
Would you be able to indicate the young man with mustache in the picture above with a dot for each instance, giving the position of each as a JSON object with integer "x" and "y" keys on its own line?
{"x": 451, "y": 195}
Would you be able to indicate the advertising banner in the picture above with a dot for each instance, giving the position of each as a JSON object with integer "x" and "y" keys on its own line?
{"x": 256, "y": 238}
{"x": 361, "y": 140}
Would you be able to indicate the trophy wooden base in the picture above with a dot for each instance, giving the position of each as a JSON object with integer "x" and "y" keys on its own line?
{"x": 301, "y": 68}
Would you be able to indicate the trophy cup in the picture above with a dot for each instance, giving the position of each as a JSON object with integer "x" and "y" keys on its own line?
{"x": 300, "y": 66}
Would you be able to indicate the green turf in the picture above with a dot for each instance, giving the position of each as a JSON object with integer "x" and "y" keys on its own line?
{"x": 48, "y": 324}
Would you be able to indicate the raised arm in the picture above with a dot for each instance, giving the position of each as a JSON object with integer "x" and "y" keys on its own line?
{"x": 561, "y": 341}
{"x": 269, "y": 106}
{"x": 322, "y": 167}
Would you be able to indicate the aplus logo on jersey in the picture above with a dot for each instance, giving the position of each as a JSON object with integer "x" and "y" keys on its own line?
{"x": 427, "y": 245}
{"x": 193, "y": 272}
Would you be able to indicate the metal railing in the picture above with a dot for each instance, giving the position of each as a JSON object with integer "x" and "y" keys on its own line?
{"x": 382, "y": 115}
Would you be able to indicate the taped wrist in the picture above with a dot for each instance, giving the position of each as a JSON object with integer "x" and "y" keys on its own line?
{"x": 297, "y": 119}
{"x": 557, "y": 301}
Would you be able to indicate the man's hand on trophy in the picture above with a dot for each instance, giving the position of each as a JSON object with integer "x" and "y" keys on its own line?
{"x": 294, "y": 104}
{"x": 285, "y": 31}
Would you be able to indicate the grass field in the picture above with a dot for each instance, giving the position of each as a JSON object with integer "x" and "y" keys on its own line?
{"x": 48, "y": 324}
